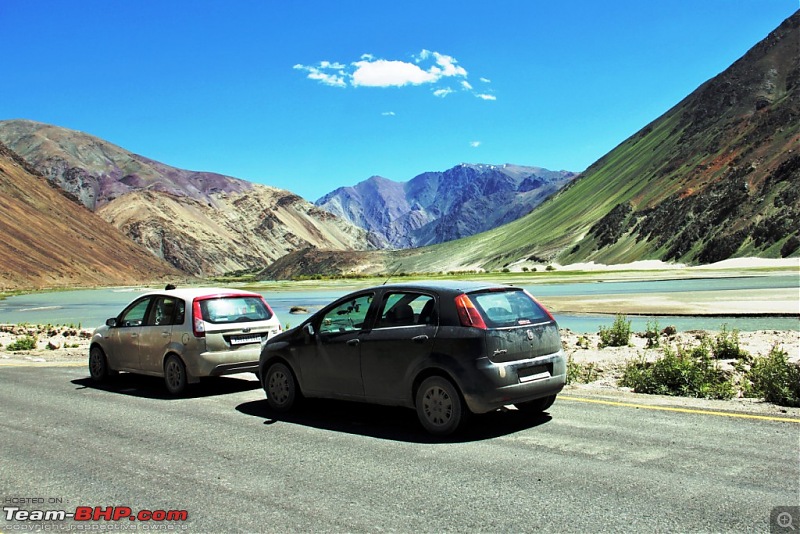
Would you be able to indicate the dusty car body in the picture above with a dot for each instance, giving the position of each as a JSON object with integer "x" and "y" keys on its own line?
{"x": 445, "y": 349}
{"x": 183, "y": 335}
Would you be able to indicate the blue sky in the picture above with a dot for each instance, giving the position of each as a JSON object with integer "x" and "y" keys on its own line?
{"x": 313, "y": 95}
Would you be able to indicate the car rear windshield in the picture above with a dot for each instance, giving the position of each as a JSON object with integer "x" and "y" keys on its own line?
{"x": 239, "y": 309}
{"x": 508, "y": 308}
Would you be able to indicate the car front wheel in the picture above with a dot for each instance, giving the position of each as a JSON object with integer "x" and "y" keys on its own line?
{"x": 439, "y": 406}
{"x": 280, "y": 387}
{"x": 175, "y": 375}
{"x": 98, "y": 364}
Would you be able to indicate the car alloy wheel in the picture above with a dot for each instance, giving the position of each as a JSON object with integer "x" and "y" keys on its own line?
{"x": 98, "y": 364}
{"x": 175, "y": 375}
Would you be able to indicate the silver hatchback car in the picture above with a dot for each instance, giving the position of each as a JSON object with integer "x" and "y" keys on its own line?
{"x": 183, "y": 335}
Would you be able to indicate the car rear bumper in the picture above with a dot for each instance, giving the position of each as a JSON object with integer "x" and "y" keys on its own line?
{"x": 499, "y": 384}
{"x": 220, "y": 363}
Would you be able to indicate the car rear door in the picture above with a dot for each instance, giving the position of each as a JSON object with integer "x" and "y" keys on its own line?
{"x": 518, "y": 328}
{"x": 403, "y": 335}
{"x": 156, "y": 334}
{"x": 236, "y": 323}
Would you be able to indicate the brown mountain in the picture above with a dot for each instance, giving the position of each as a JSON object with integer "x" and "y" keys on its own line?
{"x": 52, "y": 241}
{"x": 205, "y": 224}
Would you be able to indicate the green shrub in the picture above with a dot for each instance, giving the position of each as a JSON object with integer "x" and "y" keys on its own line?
{"x": 580, "y": 373}
{"x": 775, "y": 379}
{"x": 652, "y": 335}
{"x": 685, "y": 372}
{"x": 573, "y": 370}
{"x": 726, "y": 345}
{"x": 23, "y": 343}
{"x": 619, "y": 335}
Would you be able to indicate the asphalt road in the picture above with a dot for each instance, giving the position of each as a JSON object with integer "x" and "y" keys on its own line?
{"x": 223, "y": 457}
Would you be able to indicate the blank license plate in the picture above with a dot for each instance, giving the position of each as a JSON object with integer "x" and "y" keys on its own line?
{"x": 243, "y": 340}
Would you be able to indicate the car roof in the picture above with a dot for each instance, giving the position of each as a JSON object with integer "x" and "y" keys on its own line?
{"x": 455, "y": 286}
{"x": 189, "y": 293}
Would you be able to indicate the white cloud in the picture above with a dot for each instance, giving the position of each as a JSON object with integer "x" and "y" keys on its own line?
{"x": 427, "y": 68}
{"x": 388, "y": 113}
{"x": 485, "y": 80}
{"x": 475, "y": 144}
{"x": 383, "y": 73}
{"x": 334, "y": 79}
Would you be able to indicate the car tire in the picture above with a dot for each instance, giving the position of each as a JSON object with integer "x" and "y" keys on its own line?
{"x": 281, "y": 387}
{"x": 440, "y": 408}
{"x": 98, "y": 364}
{"x": 175, "y": 376}
{"x": 536, "y": 406}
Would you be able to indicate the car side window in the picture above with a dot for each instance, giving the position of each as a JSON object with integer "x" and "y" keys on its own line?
{"x": 162, "y": 313}
{"x": 134, "y": 315}
{"x": 180, "y": 311}
{"x": 407, "y": 309}
{"x": 347, "y": 316}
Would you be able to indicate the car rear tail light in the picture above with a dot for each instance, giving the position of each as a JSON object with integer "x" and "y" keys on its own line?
{"x": 550, "y": 315}
{"x": 468, "y": 314}
{"x": 198, "y": 324}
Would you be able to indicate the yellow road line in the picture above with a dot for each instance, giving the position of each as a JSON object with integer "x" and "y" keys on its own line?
{"x": 681, "y": 410}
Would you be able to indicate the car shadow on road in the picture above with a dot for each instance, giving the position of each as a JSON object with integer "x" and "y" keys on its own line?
{"x": 150, "y": 387}
{"x": 390, "y": 423}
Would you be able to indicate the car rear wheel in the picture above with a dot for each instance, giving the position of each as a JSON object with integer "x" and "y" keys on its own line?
{"x": 536, "y": 406}
{"x": 280, "y": 386}
{"x": 98, "y": 364}
{"x": 175, "y": 375}
{"x": 439, "y": 406}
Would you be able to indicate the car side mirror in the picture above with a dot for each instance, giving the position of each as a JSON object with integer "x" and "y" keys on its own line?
{"x": 309, "y": 330}
{"x": 111, "y": 322}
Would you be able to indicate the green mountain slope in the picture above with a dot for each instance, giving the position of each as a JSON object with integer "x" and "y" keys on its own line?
{"x": 715, "y": 177}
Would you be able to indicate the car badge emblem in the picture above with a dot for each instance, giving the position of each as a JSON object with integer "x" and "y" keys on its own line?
{"x": 246, "y": 330}
{"x": 530, "y": 334}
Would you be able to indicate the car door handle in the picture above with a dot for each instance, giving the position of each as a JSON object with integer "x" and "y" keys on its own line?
{"x": 420, "y": 339}
{"x": 165, "y": 333}
{"x": 353, "y": 342}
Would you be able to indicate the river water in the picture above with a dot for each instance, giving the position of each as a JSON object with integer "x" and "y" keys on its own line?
{"x": 90, "y": 308}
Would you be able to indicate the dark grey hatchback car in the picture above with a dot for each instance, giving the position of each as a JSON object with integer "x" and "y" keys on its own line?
{"x": 446, "y": 349}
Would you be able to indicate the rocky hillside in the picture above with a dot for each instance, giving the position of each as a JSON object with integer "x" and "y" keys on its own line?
{"x": 435, "y": 207}
{"x": 717, "y": 176}
{"x": 204, "y": 224}
{"x": 233, "y": 232}
{"x": 49, "y": 240}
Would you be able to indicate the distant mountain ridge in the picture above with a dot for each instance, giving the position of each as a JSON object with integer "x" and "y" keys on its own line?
{"x": 715, "y": 177}
{"x": 204, "y": 224}
{"x": 435, "y": 207}
{"x": 97, "y": 172}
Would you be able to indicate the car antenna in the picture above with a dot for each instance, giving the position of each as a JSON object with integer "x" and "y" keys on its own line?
{"x": 391, "y": 274}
